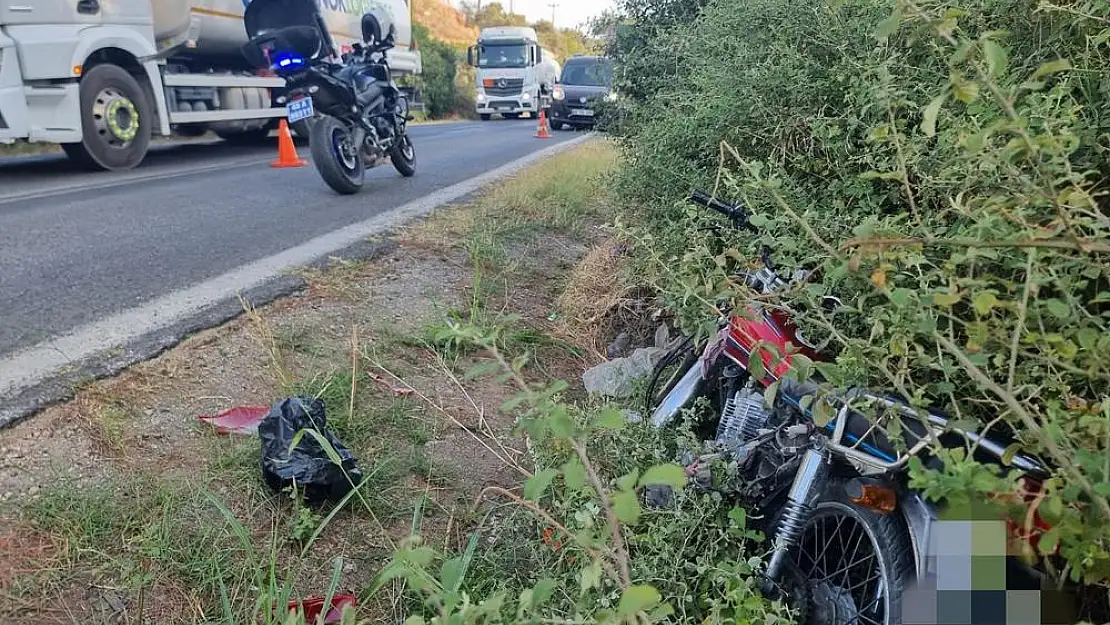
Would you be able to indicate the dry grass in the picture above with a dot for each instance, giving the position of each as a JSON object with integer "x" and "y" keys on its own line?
{"x": 594, "y": 290}
{"x": 147, "y": 526}
{"x": 565, "y": 194}
{"x": 444, "y": 22}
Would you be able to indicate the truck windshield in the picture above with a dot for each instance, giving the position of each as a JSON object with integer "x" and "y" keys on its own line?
{"x": 591, "y": 74}
{"x": 510, "y": 55}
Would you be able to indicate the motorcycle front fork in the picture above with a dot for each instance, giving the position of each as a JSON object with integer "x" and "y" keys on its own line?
{"x": 809, "y": 481}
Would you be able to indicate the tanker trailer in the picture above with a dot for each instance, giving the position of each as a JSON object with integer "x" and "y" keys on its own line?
{"x": 101, "y": 77}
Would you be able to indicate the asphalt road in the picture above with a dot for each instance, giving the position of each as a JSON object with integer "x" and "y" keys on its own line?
{"x": 76, "y": 248}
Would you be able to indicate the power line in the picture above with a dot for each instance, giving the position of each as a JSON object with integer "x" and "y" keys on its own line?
{"x": 553, "y": 7}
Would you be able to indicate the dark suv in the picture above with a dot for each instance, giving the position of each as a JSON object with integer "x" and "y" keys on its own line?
{"x": 585, "y": 83}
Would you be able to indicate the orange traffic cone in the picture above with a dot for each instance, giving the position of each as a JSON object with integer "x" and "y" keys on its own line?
{"x": 542, "y": 131}
{"x": 287, "y": 152}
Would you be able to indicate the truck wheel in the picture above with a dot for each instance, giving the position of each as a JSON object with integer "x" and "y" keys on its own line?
{"x": 485, "y": 117}
{"x": 116, "y": 121}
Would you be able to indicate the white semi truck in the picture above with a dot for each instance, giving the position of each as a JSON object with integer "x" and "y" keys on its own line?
{"x": 101, "y": 77}
{"x": 512, "y": 71}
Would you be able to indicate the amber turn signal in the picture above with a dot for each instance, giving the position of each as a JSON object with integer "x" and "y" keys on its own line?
{"x": 873, "y": 496}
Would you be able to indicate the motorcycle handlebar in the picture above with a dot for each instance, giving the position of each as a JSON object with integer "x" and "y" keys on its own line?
{"x": 734, "y": 212}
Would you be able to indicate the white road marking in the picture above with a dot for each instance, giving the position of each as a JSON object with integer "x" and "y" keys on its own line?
{"x": 35, "y": 364}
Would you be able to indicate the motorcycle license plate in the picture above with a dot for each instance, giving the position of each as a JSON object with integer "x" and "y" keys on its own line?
{"x": 299, "y": 109}
{"x": 582, "y": 113}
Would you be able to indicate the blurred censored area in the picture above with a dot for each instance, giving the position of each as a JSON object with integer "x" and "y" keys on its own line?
{"x": 974, "y": 576}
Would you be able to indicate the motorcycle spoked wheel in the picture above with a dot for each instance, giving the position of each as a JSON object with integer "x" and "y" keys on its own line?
{"x": 338, "y": 161}
{"x": 854, "y": 564}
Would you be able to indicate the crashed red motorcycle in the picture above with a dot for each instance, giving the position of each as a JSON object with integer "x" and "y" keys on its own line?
{"x": 846, "y": 535}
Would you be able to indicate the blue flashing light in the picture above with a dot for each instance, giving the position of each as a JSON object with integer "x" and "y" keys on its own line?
{"x": 288, "y": 62}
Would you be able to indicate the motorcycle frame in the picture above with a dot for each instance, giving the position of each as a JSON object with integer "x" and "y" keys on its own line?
{"x": 737, "y": 342}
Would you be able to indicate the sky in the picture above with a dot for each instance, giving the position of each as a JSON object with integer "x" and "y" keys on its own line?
{"x": 568, "y": 13}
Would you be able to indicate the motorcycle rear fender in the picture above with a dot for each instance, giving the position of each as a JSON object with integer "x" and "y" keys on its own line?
{"x": 919, "y": 517}
{"x": 683, "y": 393}
{"x": 690, "y": 385}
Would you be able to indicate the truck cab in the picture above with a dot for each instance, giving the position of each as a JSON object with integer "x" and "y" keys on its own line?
{"x": 43, "y": 46}
{"x": 513, "y": 72}
{"x": 102, "y": 77}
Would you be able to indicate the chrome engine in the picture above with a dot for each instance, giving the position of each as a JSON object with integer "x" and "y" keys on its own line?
{"x": 743, "y": 419}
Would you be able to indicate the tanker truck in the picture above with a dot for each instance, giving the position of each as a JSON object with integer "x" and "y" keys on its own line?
{"x": 512, "y": 71}
{"x": 101, "y": 77}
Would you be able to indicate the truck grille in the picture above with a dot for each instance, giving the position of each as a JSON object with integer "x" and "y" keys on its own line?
{"x": 503, "y": 87}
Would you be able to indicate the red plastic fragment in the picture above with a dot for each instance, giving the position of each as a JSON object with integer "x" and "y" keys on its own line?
{"x": 239, "y": 420}
{"x": 312, "y": 606}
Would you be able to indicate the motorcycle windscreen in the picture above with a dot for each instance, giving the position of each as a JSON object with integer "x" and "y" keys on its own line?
{"x": 282, "y": 28}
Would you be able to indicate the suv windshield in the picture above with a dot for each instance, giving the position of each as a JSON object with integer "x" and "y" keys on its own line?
{"x": 511, "y": 55}
{"x": 593, "y": 73}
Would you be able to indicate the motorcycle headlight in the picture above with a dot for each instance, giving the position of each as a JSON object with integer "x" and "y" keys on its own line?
{"x": 558, "y": 94}
{"x": 612, "y": 97}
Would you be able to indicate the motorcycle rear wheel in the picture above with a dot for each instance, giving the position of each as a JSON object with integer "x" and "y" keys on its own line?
{"x": 339, "y": 163}
{"x": 855, "y": 563}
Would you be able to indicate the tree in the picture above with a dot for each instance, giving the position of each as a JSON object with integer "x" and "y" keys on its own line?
{"x": 440, "y": 63}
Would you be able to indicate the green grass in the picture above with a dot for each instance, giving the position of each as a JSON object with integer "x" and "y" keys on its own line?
{"x": 218, "y": 536}
{"x": 142, "y": 530}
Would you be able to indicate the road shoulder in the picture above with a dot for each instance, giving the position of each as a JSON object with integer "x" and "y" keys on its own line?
{"x": 85, "y": 481}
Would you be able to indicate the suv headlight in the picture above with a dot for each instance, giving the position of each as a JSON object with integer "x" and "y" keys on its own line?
{"x": 558, "y": 94}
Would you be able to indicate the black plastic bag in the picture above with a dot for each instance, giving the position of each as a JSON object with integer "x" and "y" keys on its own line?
{"x": 308, "y": 466}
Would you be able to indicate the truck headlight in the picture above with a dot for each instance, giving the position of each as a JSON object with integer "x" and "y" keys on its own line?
{"x": 525, "y": 97}
{"x": 481, "y": 98}
{"x": 558, "y": 94}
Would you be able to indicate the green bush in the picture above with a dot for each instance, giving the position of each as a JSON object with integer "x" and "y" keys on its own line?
{"x": 439, "y": 77}
{"x": 577, "y": 546}
{"x": 944, "y": 166}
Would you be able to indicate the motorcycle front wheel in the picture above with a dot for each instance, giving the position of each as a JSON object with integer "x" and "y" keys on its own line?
{"x": 337, "y": 159}
{"x": 403, "y": 156}
{"x": 851, "y": 565}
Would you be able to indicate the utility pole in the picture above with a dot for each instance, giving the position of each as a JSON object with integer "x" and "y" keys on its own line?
{"x": 553, "y": 7}
{"x": 510, "y": 7}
